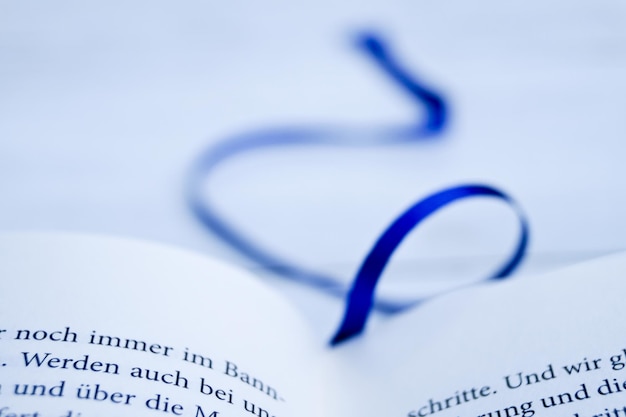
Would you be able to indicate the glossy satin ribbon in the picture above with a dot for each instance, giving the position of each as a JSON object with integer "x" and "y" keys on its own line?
{"x": 361, "y": 299}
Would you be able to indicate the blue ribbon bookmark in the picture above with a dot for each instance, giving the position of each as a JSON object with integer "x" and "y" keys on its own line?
{"x": 361, "y": 296}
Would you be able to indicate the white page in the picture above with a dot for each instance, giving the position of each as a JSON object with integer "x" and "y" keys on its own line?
{"x": 69, "y": 297}
{"x": 456, "y": 346}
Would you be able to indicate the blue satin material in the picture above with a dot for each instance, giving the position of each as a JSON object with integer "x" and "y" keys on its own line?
{"x": 431, "y": 126}
{"x": 359, "y": 302}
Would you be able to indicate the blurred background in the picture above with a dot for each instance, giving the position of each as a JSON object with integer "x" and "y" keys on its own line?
{"x": 104, "y": 106}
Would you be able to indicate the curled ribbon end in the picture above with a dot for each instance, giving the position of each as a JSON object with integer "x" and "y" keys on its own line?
{"x": 436, "y": 109}
{"x": 372, "y": 43}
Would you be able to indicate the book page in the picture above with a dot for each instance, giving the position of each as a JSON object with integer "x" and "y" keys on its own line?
{"x": 94, "y": 327}
{"x": 550, "y": 345}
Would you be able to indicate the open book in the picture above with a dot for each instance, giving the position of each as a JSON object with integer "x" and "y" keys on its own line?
{"x": 106, "y": 327}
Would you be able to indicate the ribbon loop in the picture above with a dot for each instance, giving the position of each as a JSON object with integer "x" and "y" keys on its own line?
{"x": 361, "y": 296}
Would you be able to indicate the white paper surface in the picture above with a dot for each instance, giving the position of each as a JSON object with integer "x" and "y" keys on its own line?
{"x": 535, "y": 341}
{"x": 146, "y": 321}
